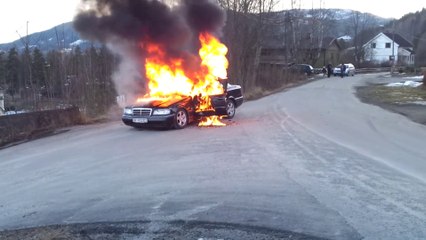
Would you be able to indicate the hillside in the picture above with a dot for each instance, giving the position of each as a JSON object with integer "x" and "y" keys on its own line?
{"x": 412, "y": 26}
{"x": 62, "y": 36}
{"x": 339, "y": 21}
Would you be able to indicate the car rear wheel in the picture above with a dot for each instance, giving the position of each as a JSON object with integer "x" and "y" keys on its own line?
{"x": 230, "y": 108}
{"x": 181, "y": 119}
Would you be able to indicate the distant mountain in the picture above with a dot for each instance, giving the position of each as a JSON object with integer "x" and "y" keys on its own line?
{"x": 344, "y": 14}
{"x": 310, "y": 25}
{"x": 340, "y": 21}
{"x": 59, "y": 37}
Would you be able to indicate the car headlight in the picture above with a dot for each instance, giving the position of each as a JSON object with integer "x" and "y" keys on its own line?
{"x": 161, "y": 111}
{"x": 128, "y": 111}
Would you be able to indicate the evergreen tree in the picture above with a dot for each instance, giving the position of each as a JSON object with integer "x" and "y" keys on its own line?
{"x": 38, "y": 69}
{"x": 420, "y": 57}
{"x": 108, "y": 93}
{"x": 77, "y": 72}
{"x": 55, "y": 73}
{"x": 26, "y": 68}
{"x": 12, "y": 72}
{"x": 92, "y": 82}
{"x": 2, "y": 70}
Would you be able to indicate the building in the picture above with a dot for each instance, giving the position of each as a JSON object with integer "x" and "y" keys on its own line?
{"x": 324, "y": 52}
{"x": 330, "y": 52}
{"x": 385, "y": 47}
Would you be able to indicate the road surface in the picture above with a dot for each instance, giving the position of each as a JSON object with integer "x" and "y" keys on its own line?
{"x": 312, "y": 160}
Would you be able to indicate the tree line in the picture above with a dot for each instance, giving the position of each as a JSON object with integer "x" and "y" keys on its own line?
{"x": 34, "y": 81}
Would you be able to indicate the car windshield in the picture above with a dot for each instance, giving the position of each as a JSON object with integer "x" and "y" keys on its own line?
{"x": 212, "y": 119}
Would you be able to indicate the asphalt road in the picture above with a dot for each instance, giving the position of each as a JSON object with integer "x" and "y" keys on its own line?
{"x": 311, "y": 160}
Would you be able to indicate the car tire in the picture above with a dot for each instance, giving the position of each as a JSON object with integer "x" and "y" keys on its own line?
{"x": 181, "y": 119}
{"x": 230, "y": 109}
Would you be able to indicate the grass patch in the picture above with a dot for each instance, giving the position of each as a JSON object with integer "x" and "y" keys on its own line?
{"x": 392, "y": 95}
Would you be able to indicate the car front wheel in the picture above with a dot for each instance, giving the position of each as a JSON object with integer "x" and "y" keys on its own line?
{"x": 181, "y": 119}
{"x": 230, "y": 108}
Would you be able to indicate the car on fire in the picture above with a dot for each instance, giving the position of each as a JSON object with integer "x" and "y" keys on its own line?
{"x": 180, "y": 111}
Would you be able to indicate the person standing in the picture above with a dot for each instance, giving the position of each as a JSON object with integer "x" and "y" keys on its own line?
{"x": 342, "y": 70}
{"x": 329, "y": 70}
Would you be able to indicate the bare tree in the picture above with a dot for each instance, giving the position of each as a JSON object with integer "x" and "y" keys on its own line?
{"x": 246, "y": 22}
{"x": 360, "y": 22}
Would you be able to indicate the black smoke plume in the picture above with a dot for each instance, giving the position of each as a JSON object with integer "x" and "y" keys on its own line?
{"x": 203, "y": 15}
{"x": 148, "y": 20}
{"x": 125, "y": 25}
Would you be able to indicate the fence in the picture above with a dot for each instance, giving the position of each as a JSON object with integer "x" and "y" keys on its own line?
{"x": 23, "y": 126}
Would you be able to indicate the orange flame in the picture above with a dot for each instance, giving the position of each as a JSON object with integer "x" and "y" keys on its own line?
{"x": 167, "y": 77}
{"x": 211, "y": 121}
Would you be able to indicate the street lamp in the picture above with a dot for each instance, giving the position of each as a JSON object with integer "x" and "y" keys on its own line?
{"x": 393, "y": 48}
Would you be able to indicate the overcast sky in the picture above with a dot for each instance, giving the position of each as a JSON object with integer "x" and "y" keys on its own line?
{"x": 40, "y": 14}
{"x": 45, "y": 14}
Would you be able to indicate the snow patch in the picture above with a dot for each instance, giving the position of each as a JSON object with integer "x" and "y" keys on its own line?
{"x": 78, "y": 42}
{"x": 420, "y": 102}
{"x": 345, "y": 38}
{"x": 404, "y": 84}
{"x": 414, "y": 77}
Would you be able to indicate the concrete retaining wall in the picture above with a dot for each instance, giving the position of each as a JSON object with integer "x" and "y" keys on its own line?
{"x": 25, "y": 126}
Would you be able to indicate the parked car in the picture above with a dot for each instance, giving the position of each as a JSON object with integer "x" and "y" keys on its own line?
{"x": 349, "y": 71}
{"x": 302, "y": 69}
{"x": 180, "y": 111}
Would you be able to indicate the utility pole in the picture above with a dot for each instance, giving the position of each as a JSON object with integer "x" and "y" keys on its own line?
{"x": 2, "y": 110}
{"x": 27, "y": 40}
{"x": 393, "y": 48}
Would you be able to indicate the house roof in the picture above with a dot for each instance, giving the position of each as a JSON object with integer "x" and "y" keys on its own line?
{"x": 400, "y": 40}
{"x": 409, "y": 50}
{"x": 328, "y": 41}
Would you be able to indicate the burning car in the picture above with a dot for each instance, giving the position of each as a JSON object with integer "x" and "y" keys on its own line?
{"x": 181, "y": 90}
{"x": 170, "y": 58}
{"x": 178, "y": 112}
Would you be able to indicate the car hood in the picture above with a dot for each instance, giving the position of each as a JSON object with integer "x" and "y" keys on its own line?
{"x": 158, "y": 102}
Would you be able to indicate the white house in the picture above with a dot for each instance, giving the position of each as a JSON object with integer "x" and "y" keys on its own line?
{"x": 385, "y": 46}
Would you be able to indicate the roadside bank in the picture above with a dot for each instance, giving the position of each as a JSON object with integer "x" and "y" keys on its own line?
{"x": 402, "y": 95}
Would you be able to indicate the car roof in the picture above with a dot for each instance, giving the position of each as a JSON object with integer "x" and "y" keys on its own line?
{"x": 346, "y": 64}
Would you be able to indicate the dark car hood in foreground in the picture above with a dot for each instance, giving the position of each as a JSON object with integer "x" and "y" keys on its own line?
{"x": 178, "y": 229}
